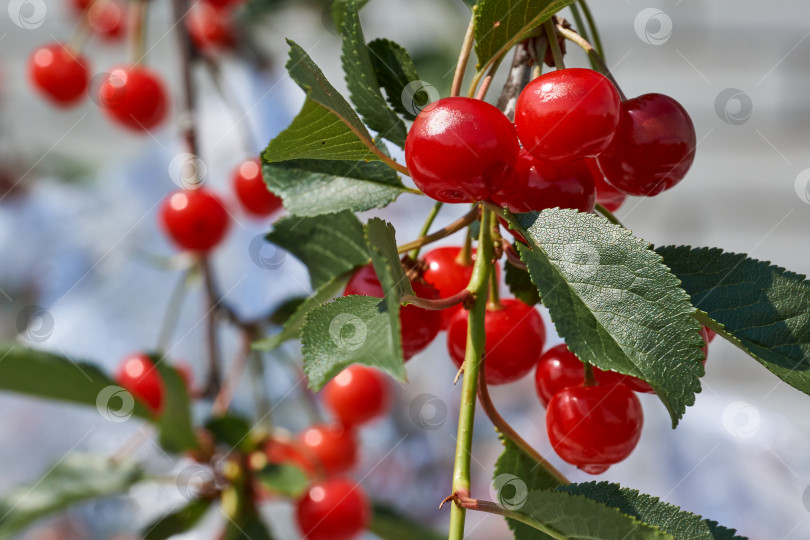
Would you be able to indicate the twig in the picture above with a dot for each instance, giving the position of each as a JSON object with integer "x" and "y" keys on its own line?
{"x": 426, "y": 227}
{"x": 512, "y": 257}
{"x": 454, "y": 227}
{"x": 469, "y": 503}
{"x": 214, "y": 382}
{"x": 226, "y": 393}
{"x": 463, "y": 58}
{"x": 441, "y": 303}
{"x": 516, "y": 80}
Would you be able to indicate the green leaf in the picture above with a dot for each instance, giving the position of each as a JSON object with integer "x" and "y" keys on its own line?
{"x": 329, "y": 245}
{"x": 765, "y": 309}
{"x": 617, "y": 306}
{"x": 285, "y": 479}
{"x": 350, "y": 330}
{"x": 338, "y": 9}
{"x": 284, "y": 311}
{"x": 382, "y": 245}
{"x": 232, "y": 431}
{"x": 500, "y": 24}
{"x": 175, "y": 426}
{"x": 51, "y": 376}
{"x": 310, "y": 187}
{"x": 177, "y": 522}
{"x": 364, "y": 89}
{"x": 292, "y": 329}
{"x": 520, "y": 284}
{"x": 388, "y": 524}
{"x": 327, "y": 127}
{"x": 247, "y": 525}
{"x": 395, "y": 70}
{"x": 651, "y": 510}
{"x": 76, "y": 478}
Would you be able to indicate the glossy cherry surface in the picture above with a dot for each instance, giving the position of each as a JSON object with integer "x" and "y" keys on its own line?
{"x": 567, "y": 114}
{"x": 594, "y": 427}
{"x": 419, "y": 326}
{"x": 333, "y": 446}
{"x": 654, "y": 146}
{"x": 448, "y": 274}
{"x": 606, "y": 195}
{"x": 461, "y": 150}
{"x": 358, "y": 394}
{"x": 559, "y": 368}
{"x": 515, "y": 335}
{"x": 336, "y": 509}
{"x": 107, "y": 19}
{"x": 539, "y": 184}
{"x": 195, "y": 220}
{"x": 134, "y": 97}
{"x": 59, "y": 74}
{"x": 137, "y": 374}
{"x": 252, "y": 192}
{"x": 210, "y": 26}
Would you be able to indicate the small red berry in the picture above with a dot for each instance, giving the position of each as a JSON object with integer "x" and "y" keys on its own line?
{"x": 337, "y": 509}
{"x": 419, "y": 326}
{"x": 138, "y": 375}
{"x": 223, "y": 3}
{"x": 358, "y": 394}
{"x": 559, "y": 368}
{"x": 538, "y": 184}
{"x": 210, "y": 27}
{"x": 280, "y": 452}
{"x": 567, "y": 114}
{"x": 515, "y": 335}
{"x": 196, "y": 220}
{"x": 107, "y": 19}
{"x": 333, "y": 446}
{"x": 606, "y": 195}
{"x": 653, "y": 148}
{"x": 252, "y": 192}
{"x": 134, "y": 97}
{"x": 60, "y": 74}
{"x": 594, "y": 427}
{"x": 461, "y": 150}
{"x": 710, "y": 334}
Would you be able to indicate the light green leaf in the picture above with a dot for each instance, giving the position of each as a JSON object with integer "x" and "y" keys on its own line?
{"x": 285, "y": 479}
{"x": 765, "y": 309}
{"x": 329, "y": 245}
{"x": 311, "y": 187}
{"x": 395, "y": 70}
{"x": 339, "y": 7}
{"x": 613, "y": 301}
{"x": 75, "y": 479}
{"x": 652, "y": 511}
{"x": 177, "y": 522}
{"x": 388, "y": 524}
{"x": 175, "y": 426}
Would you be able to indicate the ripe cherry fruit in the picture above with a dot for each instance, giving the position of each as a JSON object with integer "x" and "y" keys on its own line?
{"x": 336, "y": 509}
{"x": 195, "y": 220}
{"x": 447, "y": 272}
{"x": 107, "y": 19}
{"x": 137, "y": 375}
{"x": 60, "y": 74}
{"x": 539, "y": 184}
{"x": 333, "y": 446}
{"x": 515, "y": 335}
{"x": 419, "y": 326}
{"x": 134, "y": 97}
{"x": 606, "y": 195}
{"x": 358, "y": 394}
{"x": 209, "y": 26}
{"x": 559, "y": 368}
{"x": 594, "y": 427}
{"x": 252, "y": 192}
{"x": 461, "y": 150}
{"x": 653, "y": 148}
{"x": 281, "y": 452}
{"x": 567, "y": 114}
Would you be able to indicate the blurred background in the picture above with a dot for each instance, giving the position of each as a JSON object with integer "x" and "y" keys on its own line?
{"x": 79, "y": 240}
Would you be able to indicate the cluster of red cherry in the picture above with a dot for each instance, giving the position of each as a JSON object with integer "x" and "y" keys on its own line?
{"x": 580, "y": 144}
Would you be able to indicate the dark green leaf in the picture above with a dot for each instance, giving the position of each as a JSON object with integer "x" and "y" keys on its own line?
{"x": 338, "y": 8}
{"x": 246, "y": 525}
{"x": 232, "y": 431}
{"x": 329, "y": 245}
{"x": 520, "y": 283}
{"x": 310, "y": 187}
{"x": 381, "y": 241}
{"x": 287, "y": 480}
{"x": 617, "y": 306}
{"x": 388, "y": 524}
{"x": 395, "y": 70}
{"x": 286, "y": 310}
{"x": 175, "y": 426}
{"x": 177, "y": 522}
{"x": 652, "y": 511}
{"x": 765, "y": 309}
{"x": 76, "y": 478}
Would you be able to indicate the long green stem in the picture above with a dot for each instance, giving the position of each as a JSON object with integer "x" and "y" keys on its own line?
{"x": 608, "y": 214}
{"x": 472, "y": 363}
{"x": 426, "y": 227}
{"x": 551, "y": 33}
{"x": 583, "y": 31}
{"x": 593, "y": 55}
{"x": 592, "y": 26}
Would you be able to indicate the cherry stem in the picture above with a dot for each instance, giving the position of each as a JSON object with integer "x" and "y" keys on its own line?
{"x": 223, "y": 399}
{"x": 482, "y": 92}
{"x": 590, "y": 378}
{"x": 593, "y": 55}
{"x": 493, "y": 508}
{"x": 559, "y": 63}
{"x": 465, "y": 254}
{"x": 512, "y": 256}
{"x": 440, "y": 303}
{"x": 426, "y": 227}
{"x": 84, "y": 29}
{"x": 508, "y": 431}
{"x": 214, "y": 383}
{"x": 494, "y": 302}
{"x": 261, "y": 398}
{"x": 581, "y": 28}
{"x": 138, "y": 12}
{"x": 592, "y": 25}
{"x": 463, "y": 58}
{"x": 540, "y": 48}
{"x": 608, "y": 214}
{"x": 454, "y": 227}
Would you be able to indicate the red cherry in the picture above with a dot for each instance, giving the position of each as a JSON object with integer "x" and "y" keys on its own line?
{"x": 449, "y": 275}
{"x": 107, "y": 19}
{"x": 333, "y": 446}
{"x": 461, "y": 150}
{"x": 195, "y": 220}
{"x": 538, "y": 184}
{"x": 653, "y": 148}
{"x": 515, "y": 335}
{"x": 337, "y": 509}
{"x": 419, "y": 326}
{"x": 358, "y": 394}
{"x": 567, "y": 114}
{"x": 252, "y": 192}
{"x": 81, "y": 5}
{"x": 283, "y": 452}
{"x": 606, "y": 195}
{"x": 59, "y": 74}
{"x": 134, "y": 97}
{"x": 137, "y": 374}
{"x": 710, "y": 334}
{"x": 594, "y": 427}
{"x": 223, "y": 3}
{"x": 559, "y": 368}
{"x": 210, "y": 27}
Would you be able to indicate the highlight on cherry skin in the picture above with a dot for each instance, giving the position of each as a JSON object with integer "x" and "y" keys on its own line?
{"x": 59, "y": 74}
{"x": 194, "y": 219}
{"x": 335, "y": 509}
{"x": 248, "y": 184}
